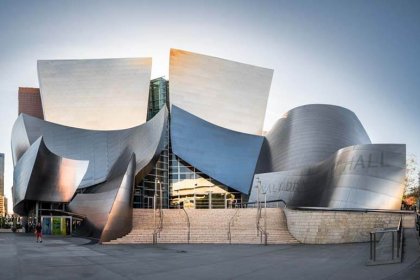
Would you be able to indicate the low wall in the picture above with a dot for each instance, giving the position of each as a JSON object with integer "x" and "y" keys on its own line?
{"x": 327, "y": 227}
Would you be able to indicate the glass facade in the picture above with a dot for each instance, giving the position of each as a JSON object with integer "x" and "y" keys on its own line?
{"x": 191, "y": 188}
{"x": 182, "y": 184}
{"x": 158, "y": 178}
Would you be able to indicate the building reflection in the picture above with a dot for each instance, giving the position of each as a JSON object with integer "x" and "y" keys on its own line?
{"x": 190, "y": 188}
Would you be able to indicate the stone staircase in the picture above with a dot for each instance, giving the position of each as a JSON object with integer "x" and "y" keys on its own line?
{"x": 208, "y": 226}
{"x": 244, "y": 229}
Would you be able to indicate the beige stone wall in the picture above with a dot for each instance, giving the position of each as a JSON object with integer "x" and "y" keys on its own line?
{"x": 327, "y": 227}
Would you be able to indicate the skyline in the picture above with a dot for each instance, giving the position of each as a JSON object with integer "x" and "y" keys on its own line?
{"x": 362, "y": 56}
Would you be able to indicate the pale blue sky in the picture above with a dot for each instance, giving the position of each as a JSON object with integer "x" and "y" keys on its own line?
{"x": 363, "y": 55}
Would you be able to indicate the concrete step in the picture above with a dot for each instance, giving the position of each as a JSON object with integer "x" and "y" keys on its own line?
{"x": 208, "y": 226}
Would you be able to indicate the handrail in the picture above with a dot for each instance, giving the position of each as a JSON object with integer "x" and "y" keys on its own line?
{"x": 268, "y": 201}
{"x": 159, "y": 227}
{"x": 189, "y": 225}
{"x": 400, "y": 233}
{"x": 230, "y": 224}
{"x": 260, "y": 230}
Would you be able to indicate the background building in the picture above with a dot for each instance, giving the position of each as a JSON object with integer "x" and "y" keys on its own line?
{"x": 3, "y": 199}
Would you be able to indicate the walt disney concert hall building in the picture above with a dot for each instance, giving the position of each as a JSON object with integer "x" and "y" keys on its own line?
{"x": 99, "y": 138}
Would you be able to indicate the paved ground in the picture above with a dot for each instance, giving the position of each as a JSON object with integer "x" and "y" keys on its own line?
{"x": 76, "y": 258}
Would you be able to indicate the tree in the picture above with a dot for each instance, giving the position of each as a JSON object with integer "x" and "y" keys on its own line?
{"x": 411, "y": 182}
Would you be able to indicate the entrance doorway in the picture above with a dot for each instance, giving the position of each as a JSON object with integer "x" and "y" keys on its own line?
{"x": 56, "y": 225}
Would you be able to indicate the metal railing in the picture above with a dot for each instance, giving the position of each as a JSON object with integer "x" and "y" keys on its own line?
{"x": 270, "y": 204}
{"x": 230, "y": 224}
{"x": 159, "y": 225}
{"x": 262, "y": 231}
{"x": 418, "y": 222}
{"x": 188, "y": 225}
{"x": 395, "y": 249}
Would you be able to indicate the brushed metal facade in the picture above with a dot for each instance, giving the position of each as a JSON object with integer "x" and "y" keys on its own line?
{"x": 99, "y": 94}
{"x": 95, "y": 143}
{"x": 229, "y": 94}
{"x": 41, "y": 175}
{"x": 100, "y": 148}
{"x": 228, "y": 156}
{"x": 309, "y": 134}
{"x": 116, "y": 159}
{"x": 363, "y": 176}
{"x": 108, "y": 206}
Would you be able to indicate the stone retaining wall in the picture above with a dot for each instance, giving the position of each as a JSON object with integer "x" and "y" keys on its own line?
{"x": 327, "y": 227}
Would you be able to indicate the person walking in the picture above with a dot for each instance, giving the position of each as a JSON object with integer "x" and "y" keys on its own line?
{"x": 38, "y": 232}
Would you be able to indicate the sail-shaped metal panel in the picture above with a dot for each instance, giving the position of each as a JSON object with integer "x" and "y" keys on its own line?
{"x": 228, "y": 156}
{"x": 228, "y": 94}
{"x": 99, "y": 94}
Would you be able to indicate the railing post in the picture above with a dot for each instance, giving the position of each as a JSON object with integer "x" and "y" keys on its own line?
{"x": 154, "y": 210}
{"x": 265, "y": 218}
{"x": 374, "y": 246}
{"x": 371, "y": 247}
{"x": 393, "y": 248}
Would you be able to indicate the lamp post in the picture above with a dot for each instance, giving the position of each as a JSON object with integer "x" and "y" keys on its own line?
{"x": 258, "y": 191}
{"x": 195, "y": 198}
{"x": 210, "y": 199}
{"x": 160, "y": 194}
{"x": 154, "y": 203}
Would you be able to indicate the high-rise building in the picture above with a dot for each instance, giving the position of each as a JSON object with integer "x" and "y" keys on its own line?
{"x": 1, "y": 174}
{"x": 3, "y": 199}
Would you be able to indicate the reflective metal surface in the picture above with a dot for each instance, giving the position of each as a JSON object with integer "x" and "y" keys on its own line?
{"x": 362, "y": 176}
{"x": 309, "y": 134}
{"x": 108, "y": 206}
{"x": 100, "y": 94}
{"x": 95, "y": 143}
{"x": 19, "y": 140}
{"x": 116, "y": 159}
{"x": 228, "y": 156}
{"x": 100, "y": 148}
{"x": 229, "y": 94}
{"x": 41, "y": 175}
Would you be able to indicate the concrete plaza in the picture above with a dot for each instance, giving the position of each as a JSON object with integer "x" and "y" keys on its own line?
{"x": 78, "y": 258}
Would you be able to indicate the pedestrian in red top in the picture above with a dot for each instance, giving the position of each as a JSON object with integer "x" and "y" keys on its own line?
{"x": 38, "y": 232}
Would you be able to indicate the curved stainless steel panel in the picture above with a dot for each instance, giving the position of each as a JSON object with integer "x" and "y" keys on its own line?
{"x": 101, "y": 94}
{"x": 20, "y": 142}
{"x": 119, "y": 157}
{"x": 108, "y": 206}
{"x": 228, "y": 156}
{"x": 41, "y": 175}
{"x": 309, "y": 134}
{"x": 362, "y": 176}
{"x": 229, "y": 94}
{"x": 100, "y": 148}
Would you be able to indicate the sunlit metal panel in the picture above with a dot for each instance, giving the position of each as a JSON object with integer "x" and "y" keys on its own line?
{"x": 309, "y": 134}
{"x": 100, "y": 94}
{"x": 363, "y": 176}
{"x": 229, "y": 94}
{"x": 41, "y": 175}
{"x": 100, "y": 148}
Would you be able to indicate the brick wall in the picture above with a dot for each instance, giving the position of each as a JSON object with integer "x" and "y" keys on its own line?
{"x": 30, "y": 102}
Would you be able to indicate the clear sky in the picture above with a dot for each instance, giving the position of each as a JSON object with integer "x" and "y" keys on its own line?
{"x": 362, "y": 55}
